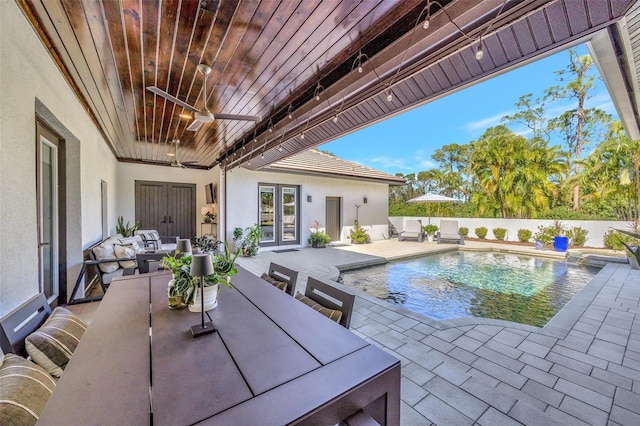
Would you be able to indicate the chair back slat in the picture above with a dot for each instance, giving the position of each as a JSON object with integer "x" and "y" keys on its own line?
{"x": 338, "y": 299}
{"x": 22, "y": 321}
{"x": 282, "y": 273}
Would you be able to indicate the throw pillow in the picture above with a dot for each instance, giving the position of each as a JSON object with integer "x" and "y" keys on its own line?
{"x": 280, "y": 284}
{"x": 135, "y": 241}
{"x": 24, "y": 390}
{"x": 123, "y": 251}
{"x": 104, "y": 253}
{"x": 52, "y": 345}
{"x": 332, "y": 314}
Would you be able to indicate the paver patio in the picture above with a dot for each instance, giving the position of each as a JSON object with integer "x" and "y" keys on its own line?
{"x": 583, "y": 367}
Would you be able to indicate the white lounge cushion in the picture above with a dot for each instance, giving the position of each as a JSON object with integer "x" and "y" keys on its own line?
{"x": 123, "y": 251}
{"x": 105, "y": 253}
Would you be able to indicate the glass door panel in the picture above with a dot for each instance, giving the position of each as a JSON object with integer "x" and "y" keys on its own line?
{"x": 267, "y": 213}
{"x": 289, "y": 209}
{"x": 48, "y": 218}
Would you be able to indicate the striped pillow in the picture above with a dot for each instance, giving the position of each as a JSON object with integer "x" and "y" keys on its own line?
{"x": 24, "y": 390}
{"x": 282, "y": 285}
{"x": 52, "y": 345}
{"x": 334, "y": 315}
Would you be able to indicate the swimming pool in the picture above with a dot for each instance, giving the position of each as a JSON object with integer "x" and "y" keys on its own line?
{"x": 450, "y": 285}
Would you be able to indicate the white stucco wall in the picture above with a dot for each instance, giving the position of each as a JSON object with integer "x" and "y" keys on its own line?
{"x": 128, "y": 173}
{"x": 596, "y": 228}
{"x": 242, "y": 200}
{"x": 27, "y": 72}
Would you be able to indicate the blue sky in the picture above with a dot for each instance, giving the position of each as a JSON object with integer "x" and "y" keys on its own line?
{"x": 405, "y": 143}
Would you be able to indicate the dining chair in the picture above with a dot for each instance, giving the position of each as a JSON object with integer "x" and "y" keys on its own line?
{"x": 329, "y": 298}
{"x": 280, "y": 274}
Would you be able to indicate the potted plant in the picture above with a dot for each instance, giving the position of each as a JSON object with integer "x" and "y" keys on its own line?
{"x": 209, "y": 217}
{"x": 318, "y": 238}
{"x": 126, "y": 230}
{"x": 430, "y": 230}
{"x": 358, "y": 235}
{"x": 184, "y": 291}
{"x": 633, "y": 252}
{"x": 251, "y": 242}
{"x": 560, "y": 241}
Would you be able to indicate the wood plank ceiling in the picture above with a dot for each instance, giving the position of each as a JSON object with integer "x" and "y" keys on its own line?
{"x": 271, "y": 58}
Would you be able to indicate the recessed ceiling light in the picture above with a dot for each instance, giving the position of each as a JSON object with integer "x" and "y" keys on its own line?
{"x": 185, "y": 115}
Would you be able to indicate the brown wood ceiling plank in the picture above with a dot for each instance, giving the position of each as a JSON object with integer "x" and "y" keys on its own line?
{"x": 52, "y": 11}
{"x": 314, "y": 42}
{"x": 386, "y": 15}
{"x": 258, "y": 49}
{"x": 165, "y": 110}
{"x": 126, "y": 115}
{"x": 148, "y": 51}
{"x": 115, "y": 29}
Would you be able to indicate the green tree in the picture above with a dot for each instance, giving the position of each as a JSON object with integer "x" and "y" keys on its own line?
{"x": 579, "y": 125}
{"x": 517, "y": 176}
{"x": 531, "y": 114}
{"x": 453, "y": 160}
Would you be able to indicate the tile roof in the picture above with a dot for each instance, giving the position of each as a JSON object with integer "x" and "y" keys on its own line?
{"x": 314, "y": 162}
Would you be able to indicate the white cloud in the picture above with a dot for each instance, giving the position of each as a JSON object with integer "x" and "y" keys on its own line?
{"x": 485, "y": 123}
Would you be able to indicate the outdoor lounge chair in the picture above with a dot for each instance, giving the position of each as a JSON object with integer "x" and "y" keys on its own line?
{"x": 412, "y": 229}
{"x": 449, "y": 231}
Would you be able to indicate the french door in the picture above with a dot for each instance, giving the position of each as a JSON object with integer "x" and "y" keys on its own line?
{"x": 48, "y": 242}
{"x": 279, "y": 214}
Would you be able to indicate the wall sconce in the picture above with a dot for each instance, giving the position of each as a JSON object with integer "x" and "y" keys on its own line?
{"x": 364, "y": 200}
{"x": 308, "y": 198}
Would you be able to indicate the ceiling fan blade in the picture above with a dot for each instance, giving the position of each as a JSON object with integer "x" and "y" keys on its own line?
{"x": 195, "y": 126}
{"x": 190, "y": 163}
{"x": 236, "y": 117}
{"x": 173, "y": 99}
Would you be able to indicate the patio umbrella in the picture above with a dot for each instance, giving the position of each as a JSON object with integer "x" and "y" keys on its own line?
{"x": 432, "y": 198}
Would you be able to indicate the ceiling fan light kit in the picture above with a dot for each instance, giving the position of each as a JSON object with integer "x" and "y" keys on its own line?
{"x": 200, "y": 116}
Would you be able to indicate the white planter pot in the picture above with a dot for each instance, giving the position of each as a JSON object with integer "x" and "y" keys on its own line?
{"x": 210, "y": 299}
{"x": 430, "y": 238}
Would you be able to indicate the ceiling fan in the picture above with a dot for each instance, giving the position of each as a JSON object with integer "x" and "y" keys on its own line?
{"x": 201, "y": 116}
{"x": 175, "y": 162}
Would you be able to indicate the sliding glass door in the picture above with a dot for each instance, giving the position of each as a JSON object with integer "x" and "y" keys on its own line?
{"x": 48, "y": 217}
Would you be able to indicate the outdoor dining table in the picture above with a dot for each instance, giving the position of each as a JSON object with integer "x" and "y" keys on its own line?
{"x": 272, "y": 361}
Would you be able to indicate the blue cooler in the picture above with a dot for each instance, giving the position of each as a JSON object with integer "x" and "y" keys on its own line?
{"x": 560, "y": 243}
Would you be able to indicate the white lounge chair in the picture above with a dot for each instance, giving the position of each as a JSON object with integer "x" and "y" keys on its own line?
{"x": 412, "y": 229}
{"x": 449, "y": 231}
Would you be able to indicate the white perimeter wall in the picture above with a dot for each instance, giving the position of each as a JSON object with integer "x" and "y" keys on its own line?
{"x": 27, "y": 72}
{"x": 596, "y": 228}
{"x": 128, "y": 173}
{"x": 242, "y": 193}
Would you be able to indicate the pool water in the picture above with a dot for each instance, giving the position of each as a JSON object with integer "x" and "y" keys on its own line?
{"x": 511, "y": 287}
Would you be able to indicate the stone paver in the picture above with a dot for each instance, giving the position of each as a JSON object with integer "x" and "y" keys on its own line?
{"x": 583, "y": 367}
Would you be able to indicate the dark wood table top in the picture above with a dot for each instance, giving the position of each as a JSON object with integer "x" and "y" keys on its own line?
{"x": 272, "y": 360}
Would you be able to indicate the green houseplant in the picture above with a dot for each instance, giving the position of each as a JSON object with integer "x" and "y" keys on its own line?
{"x": 318, "y": 237}
{"x": 184, "y": 292}
{"x": 126, "y": 230}
{"x": 358, "y": 235}
{"x": 251, "y": 241}
{"x": 430, "y": 230}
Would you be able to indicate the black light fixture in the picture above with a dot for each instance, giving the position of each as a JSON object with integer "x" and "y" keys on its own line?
{"x": 308, "y": 198}
{"x": 201, "y": 266}
{"x": 365, "y": 200}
